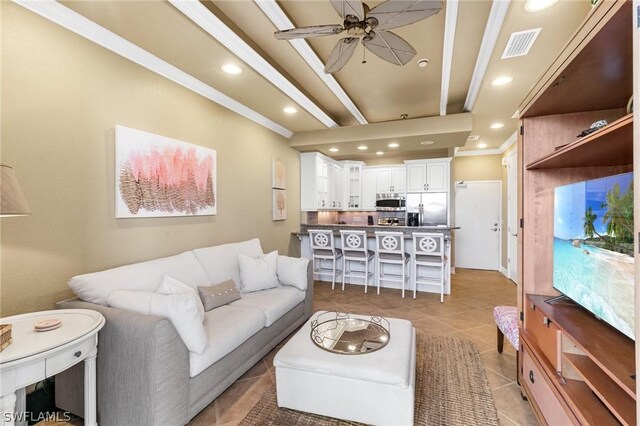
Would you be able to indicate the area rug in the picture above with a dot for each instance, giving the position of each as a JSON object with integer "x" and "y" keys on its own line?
{"x": 451, "y": 389}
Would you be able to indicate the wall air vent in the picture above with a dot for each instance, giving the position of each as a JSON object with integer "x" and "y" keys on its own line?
{"x": 520, "y": 42}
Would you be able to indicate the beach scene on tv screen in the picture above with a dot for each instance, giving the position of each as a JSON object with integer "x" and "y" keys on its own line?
{"x": 593, "y": 248}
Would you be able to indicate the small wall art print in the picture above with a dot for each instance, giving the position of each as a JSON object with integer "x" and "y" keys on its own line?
{"x": 158, "y": 176}
{"x": 279, "y": 204}
{"x": 279, "y": 178}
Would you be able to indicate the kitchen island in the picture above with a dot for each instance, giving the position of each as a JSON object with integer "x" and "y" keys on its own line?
{"x": 305, "y": 248}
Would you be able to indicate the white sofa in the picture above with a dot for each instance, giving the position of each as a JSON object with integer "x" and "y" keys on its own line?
{"x": 146, "y": 375}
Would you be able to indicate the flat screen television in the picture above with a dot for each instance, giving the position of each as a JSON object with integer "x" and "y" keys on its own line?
{"x": 593, "y": 248}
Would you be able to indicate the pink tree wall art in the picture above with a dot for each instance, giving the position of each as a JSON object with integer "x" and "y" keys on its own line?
{"x": 158, "y": 176}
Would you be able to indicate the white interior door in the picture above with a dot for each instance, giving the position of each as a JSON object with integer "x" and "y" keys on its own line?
{"x": 478, "y": 214}
{"x": 512, "y": 215}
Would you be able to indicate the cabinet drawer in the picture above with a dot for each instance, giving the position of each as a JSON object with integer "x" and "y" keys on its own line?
{"x": 545, "y": 333}
{"x": 540, "y": 391}
{"x": 70, "y": 356}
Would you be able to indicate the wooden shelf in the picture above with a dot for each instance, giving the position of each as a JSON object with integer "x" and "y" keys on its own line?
{"x": 610, "y": 350}
{"x": 610, "y": 146}
{"x": 618, "y": 401}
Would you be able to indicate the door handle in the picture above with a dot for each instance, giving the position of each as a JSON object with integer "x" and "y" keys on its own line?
{"x": 494, "y": 229}
{"x": 514, "y": 235}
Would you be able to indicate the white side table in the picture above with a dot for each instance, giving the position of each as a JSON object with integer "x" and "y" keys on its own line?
{"x": 34, "y": 356}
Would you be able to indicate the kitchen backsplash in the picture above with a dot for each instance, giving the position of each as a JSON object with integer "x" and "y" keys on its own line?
{"x": 349, "y": 218}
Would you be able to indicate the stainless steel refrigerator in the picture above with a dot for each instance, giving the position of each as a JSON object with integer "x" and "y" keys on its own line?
{"x": 430, "y": 206}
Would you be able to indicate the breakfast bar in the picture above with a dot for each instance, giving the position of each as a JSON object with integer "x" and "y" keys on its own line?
{"x": 303, "y": 236}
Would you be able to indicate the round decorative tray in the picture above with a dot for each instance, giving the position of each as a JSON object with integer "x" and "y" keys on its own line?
{"x": 345, "y": 334}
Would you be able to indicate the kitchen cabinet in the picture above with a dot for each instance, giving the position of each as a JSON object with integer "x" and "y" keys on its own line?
{"x": 352, "y": 188}
{"x": 391, "y": 179}
{"x": 369, "y": 188}
{"x": 321, "y": 182}
{"x": 428, "y": 175}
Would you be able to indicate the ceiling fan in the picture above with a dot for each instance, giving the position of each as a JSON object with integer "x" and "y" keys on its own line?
{"x": 373, "y": 26}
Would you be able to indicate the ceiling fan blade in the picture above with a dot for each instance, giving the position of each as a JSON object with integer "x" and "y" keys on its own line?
{"x": 398, "y": 13}
{"x": 349, "y": 7}
{"x": 308, "y": 32}
{"x": 390, "y": 47}
{"x": 340, "y": 54}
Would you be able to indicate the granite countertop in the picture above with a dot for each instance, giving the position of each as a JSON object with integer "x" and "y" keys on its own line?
{"x": 371, "y": 229}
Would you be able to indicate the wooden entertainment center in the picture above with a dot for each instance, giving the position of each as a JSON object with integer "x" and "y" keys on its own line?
{"x": 574, "y": 368}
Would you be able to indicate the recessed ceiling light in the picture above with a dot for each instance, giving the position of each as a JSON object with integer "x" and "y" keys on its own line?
{"x": 290, "y": 110}
{"x": 497, "y": 126}
{"x": 379, "y": 153}
{"x": 334, "y": 149}
{"x": 482, "y": 145}
{"x": 538, "y": 5}
{"x": 363, "y": 147}
{"x": 422, "y": 63}
{"x": 393, "y": 145}
{"x": 427, "y": 143}
{"x": 501, "y": 81}
{"x": 231, "y": 69}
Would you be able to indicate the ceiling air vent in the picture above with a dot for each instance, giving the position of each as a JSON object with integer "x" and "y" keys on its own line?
{"x": 519, "y": 43}
{"x": 473, "y": 138}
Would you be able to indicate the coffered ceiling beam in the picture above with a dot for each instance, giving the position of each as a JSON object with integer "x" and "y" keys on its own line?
{"x": 450, "y": 19}
{"x": 282, "y": 22}
{"x": 498, "y": 12}
{"x": 450, "y": 124}
{"x": 210, "y": 23}
{"x": 73, "y": 21}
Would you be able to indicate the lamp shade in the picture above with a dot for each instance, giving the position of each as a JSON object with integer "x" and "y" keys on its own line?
{"x": 12, "y": 201}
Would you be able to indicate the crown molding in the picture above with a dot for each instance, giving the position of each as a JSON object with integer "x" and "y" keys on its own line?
{"x": 499, "y": 150}
{"x": 73, "y": 21}
{"x": 510, "y": 141}
{"x": 476, "y": 152}
{"x": 451, "y": 17}
{"x": 498, "y": 12}
{"x": 282, "y": 22}
{"x": 217, "y": 29}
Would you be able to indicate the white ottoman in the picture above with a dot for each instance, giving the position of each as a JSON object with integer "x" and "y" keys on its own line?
{"x": 375, "y": 388}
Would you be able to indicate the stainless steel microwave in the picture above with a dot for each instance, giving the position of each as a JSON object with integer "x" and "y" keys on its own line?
{"x": 391, "y": 202}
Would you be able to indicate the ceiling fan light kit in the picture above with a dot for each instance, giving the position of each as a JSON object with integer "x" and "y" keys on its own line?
{"x": 370, "y": 27}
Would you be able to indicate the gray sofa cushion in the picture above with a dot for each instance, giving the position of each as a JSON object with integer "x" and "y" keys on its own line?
{"x": 227, "y": 328}
{"x": 217, "y": 295}
{"x": 274, "y": 302}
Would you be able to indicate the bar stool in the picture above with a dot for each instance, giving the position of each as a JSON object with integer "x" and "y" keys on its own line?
{"x": 429, "y": 252}
{"x": 354, "y": 249}
{"x": 323, "y": 249}
{"x": 390, "y": 250}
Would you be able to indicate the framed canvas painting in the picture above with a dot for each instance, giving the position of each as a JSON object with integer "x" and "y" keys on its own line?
{"x": 279, "y": 204}
{"x": 279, "y": 178}
{"x": 158, "y": 176}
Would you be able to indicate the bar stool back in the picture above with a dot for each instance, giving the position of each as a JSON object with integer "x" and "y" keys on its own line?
{"x": 429, "y": 251}
{"x": 390, "y": 250}
{"x": 354, "y": 249}
{"x": 323, "y": 249}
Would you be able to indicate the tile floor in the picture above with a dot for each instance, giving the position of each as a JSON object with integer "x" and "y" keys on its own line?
{"x": 466, "y": 313}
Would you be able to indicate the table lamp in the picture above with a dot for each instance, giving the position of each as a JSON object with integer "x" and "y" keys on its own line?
{"x": 12, "y": 201}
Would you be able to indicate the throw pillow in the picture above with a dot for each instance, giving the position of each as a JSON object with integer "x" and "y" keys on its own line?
{"x": 214, "y": 296}
{"x": 293, "y": 271}
{"x": 170, "y": 285}
{"x": 180, "y": 309}
{"x": 259, "y": 273}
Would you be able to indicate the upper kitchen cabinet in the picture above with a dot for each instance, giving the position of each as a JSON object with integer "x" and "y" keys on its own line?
{"x": 428, "y": 175}
{"x": 321, "y": 182}
{"x": 369, "y": 177}
{"x": 391, "y": 179}
{"x": 352, "y": 188}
